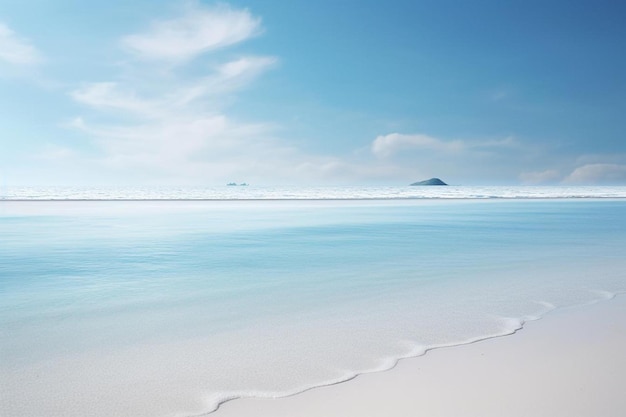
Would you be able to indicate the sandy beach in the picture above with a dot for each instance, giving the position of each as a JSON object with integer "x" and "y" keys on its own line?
{"x": 570, "y": 363}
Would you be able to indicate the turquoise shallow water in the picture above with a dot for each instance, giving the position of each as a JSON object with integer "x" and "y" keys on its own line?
{"x": 167, "y": 308}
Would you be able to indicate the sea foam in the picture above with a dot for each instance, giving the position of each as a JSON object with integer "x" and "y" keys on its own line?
{"x": 309, "y": 193}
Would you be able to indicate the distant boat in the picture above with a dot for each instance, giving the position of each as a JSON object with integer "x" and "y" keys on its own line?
{"x": 243, "y": 184}
{"x": 234, "y": 184}
{"x": 231, "y": 184}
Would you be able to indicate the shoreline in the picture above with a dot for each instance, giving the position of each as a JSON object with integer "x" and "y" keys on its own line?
{"x": 312, "y": 193}
{"x": 427, "y": 198}
{"x": 568, "y": 363}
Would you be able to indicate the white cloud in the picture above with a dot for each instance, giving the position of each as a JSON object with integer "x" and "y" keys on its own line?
{"x": 387, "y": 145}
{"x": 169, "y": 144}
{"x": 392, "y": 143}
{"x": 15, "y": 49}
{"x": 419, "y": 156}
{"x": 199, "y": 30}
{"x": 238, "y": 73}
{"x": 598, "y": 174}
{"x": 170, "y": 127}
{"x": 109, "y": 95}
{"x": 210, "y": 149}
{"x": 228, "y": 77}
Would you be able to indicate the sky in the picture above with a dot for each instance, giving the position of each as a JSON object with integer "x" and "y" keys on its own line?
{"x": 300, "y": 92}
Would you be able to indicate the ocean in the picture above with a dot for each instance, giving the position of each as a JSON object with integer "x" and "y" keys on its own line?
{"x": 169, "y": 302}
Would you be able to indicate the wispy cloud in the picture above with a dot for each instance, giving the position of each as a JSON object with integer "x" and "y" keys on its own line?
{"x": 173, "y": 132}
{"x": 176, "y": 144}
{"x": 110, "y": 95}
{"x": 458, "y": 160}
{"x": 207, "y": 149}
{"x": 388, "y": 145}
{"x": 597, "y": 174}
{"x": 17, "y": 50}
{"x": 226, "y": 78}
{"x": 199, "y": 30}
{"x": 170, "y": 126}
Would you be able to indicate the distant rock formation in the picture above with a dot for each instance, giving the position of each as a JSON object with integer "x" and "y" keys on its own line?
{"x": 432, "y": 181}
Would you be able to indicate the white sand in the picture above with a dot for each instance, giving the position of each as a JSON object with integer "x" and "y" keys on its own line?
{"x": 571, "y": 363}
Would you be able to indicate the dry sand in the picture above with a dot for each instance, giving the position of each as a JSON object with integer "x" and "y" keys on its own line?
{"x": 571, "y": 363}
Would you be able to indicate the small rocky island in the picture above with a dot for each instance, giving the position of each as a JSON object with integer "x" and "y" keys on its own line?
{"x": 432, "y": 181}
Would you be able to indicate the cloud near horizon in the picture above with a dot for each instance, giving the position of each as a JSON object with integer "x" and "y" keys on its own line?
{"x": 597, "y": 174}
{"x": 387, "y": 145}
{"x": 462, "y": 161}
{"x": 390, "y": 144}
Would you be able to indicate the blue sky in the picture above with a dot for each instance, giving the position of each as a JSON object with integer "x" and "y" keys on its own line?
{"x": 312, "y": 92}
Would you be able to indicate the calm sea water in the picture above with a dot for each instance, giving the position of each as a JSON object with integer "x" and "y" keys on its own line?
{"x": 168, "y": 308}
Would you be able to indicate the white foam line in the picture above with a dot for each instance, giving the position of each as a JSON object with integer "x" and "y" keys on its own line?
{"x": 516, "y": 324}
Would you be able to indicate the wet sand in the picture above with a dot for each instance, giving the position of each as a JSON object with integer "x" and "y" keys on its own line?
{"x": 570, "y": 363}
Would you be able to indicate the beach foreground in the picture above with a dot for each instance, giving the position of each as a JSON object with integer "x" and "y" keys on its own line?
{"x": 571, "y": 363}
{"x": 174, "y": 308}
